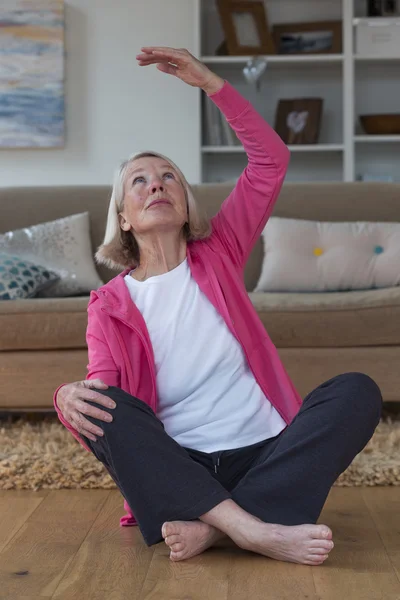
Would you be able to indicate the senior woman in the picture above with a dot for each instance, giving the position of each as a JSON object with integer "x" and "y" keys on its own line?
{"x": 186, "y": 402}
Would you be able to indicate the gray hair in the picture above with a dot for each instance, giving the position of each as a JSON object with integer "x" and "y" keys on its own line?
{"x": 120, "y": 249}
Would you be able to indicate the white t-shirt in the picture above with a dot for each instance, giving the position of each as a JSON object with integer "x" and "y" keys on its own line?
{"x": 209, "y": 399}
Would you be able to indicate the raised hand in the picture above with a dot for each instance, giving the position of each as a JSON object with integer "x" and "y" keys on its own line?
{"x": 181, "y": 64}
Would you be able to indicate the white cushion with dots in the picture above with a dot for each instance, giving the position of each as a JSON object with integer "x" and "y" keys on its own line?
{"x": 315, "y": 256}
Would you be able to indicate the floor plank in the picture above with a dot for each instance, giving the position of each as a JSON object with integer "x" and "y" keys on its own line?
{"x": 35, "y": 559}
{"x": 69, "y": 545}
{"x": 384, "y": 506}
{"x": 258, "y": 577}
{"x": 112, "y": 562}
{"x": 359, "y": 566}
{"x": 16, "y": 506}
{"x": 21, "y": 597}
{"x": 203, "y": 577}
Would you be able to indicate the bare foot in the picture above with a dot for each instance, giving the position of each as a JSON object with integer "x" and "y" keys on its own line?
{"x": 189, "y": 538}
{"x": 304, "y": 544}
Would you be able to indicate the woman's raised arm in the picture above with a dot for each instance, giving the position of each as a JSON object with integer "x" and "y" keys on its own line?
{"x": 245, "y": 212}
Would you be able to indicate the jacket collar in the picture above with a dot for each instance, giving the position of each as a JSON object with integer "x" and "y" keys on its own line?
{"x": 114, "y": 296}
{"x": 114, "y": 293}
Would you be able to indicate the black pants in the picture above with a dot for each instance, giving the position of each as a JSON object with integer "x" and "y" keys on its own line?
{"x": 285, "y": 479}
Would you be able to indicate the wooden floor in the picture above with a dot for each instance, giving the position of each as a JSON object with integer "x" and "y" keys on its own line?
{"x": 67, "y": 544}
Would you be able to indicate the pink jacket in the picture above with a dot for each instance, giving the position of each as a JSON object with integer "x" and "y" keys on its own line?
{"x": 119, "y": 347}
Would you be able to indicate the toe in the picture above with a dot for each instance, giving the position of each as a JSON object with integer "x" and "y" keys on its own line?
{"x": 321, "y": 532}
{"x": 326, "y": 533}
{"x": 316, "y": 560}
{"x": 323, "y": 557}
{"x": 175, "y": 556}
{"x": 178, "y": 547}
{"x": 318, "y": 552}
{"x": 168, "y": 529}
{"x": 172, "y": 539}
{"x": 325, "y": 545}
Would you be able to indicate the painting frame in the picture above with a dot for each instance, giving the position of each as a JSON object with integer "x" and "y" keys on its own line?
{"x": 231, "y": 45}
{"x": 334, "y": 28}
{"x": 293, "y": 126}
{"x": 32, "y": 74}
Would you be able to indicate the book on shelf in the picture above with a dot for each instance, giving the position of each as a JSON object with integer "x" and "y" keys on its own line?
{"x": 373, "y": 177}
{"x": 217, "y": 131}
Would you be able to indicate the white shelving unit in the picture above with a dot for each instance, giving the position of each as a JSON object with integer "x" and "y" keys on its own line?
{"x": 350, "y": 84}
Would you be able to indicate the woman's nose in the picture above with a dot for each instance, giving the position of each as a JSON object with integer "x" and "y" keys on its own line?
{"x": 154, "y": 186}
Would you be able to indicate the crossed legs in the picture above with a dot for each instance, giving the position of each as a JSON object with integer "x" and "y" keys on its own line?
{"x": 274, "y": 508}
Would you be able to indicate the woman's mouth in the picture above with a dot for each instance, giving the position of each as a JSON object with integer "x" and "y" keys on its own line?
{"x": 159, "y": 201}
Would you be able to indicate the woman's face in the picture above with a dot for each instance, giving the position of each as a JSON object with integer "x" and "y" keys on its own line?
{"x": 154, "y": 197}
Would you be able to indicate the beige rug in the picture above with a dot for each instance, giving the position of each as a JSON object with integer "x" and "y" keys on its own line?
{"x": 39, "y": 453}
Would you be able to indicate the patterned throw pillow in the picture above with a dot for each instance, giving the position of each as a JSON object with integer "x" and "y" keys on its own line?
{"x": 22, "y": 278}
{"x": 64, "y": 247}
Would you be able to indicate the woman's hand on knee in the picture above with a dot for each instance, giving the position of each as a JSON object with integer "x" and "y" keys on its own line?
{"x": 72, "y": 400}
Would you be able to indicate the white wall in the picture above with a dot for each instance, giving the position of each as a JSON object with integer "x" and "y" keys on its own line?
{"x": 113, "y": 106}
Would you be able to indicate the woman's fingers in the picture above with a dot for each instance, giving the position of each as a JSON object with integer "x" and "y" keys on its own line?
{"x": 149, "y": 56}
{"x": 93, "y": 396}
{"x": 84, "y": 426}
{"x": 92, "y": 411}
{"x": 169, "y": 54}
{"x": 94, "y": 383}
{"x": 177, "y": 62}
{"x": 155, "y": 58}
{"x": 164, "y": 50}
{"x": 164, "y": 67}
{"x": 169, "y": 69}
{"x": 153, "y": 61}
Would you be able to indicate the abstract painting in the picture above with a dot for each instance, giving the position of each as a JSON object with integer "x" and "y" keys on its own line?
{"x": 31, "y": 73}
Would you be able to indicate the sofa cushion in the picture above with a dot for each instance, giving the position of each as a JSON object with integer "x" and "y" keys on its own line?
{"x": 307, "y": 256}
{"x": 62, "y": 246}
{"x": 334, "y": 319}
{"x": 43, "y": 324}
{"x": 20, "y": 278}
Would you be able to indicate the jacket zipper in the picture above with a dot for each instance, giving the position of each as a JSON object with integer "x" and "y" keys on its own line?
{"x": 125, "y": 353}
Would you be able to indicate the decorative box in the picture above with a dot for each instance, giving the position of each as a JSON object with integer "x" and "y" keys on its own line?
{"x": 378, "y": 36}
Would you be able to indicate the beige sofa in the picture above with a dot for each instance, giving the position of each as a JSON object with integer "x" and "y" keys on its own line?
{"x": 42, "y": 341}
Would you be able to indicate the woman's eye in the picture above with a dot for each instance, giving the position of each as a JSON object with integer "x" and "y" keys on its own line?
{"x": 141, "y": 178}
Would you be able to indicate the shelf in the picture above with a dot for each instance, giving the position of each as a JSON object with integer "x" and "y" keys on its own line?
{"x": 389, "y": 18}
{"x": 316, "y": 147}
{"x": 373, "y": 58}
{"x": 292, "y": 148}
{"x": 275, "y": 59}
{"x": 350, "y": 83}
{"x": 376, "y": 138}
{"x": 295, "y": 59}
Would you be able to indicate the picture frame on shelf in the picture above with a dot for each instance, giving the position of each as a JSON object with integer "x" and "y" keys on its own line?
{"x": 246, "y": 28}
{"x": 298, "y": 120}
{"x": 316, "y": 37}
{"x": 383, "y": 8}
